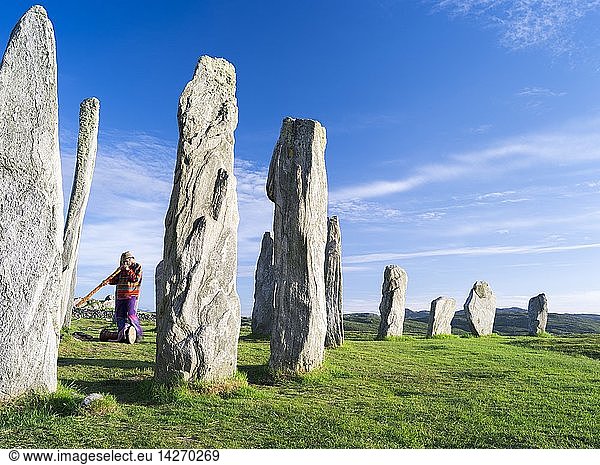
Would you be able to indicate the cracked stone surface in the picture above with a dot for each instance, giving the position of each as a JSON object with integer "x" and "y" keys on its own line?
{"x": 264, "y": 289}
{"x": 440, "y": 316}
{"x": 537, "y": 311}
{"x": 31, "y": 209}
{"x": 297, "y": 185}
{"x": 198, "y": 320}
{"x": 87, "y": 146}
{"x": 480, "y": 309}
{"x": 159, "y": 285}
{"x": 393, "y": 299}
{"x": 333, "y": 284}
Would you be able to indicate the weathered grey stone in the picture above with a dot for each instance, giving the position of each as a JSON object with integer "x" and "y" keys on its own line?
{"x": 264, "y": 289}
{"x": 159, "y": 284}
{"x": 87, "y": 146}
{"x": 333, "y": 284}
{"x": 393, "y": 299}
{"x": 297, "y": 184}
{"x": 440, "y": 316}
{"x": 198, "y": 319}
{"x": 480, "y": 309}
{"x": 537, "y": 311}
{"x": 90, "y": 399}
{"x": 31, "y": 209}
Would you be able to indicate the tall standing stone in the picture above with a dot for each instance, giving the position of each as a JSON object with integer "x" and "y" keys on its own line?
{"x": 480, "y": 309}
{"x": 198, "y": 320}
{"x": 333, "y": 284}
{"x": 440, "y": 316}
{"x": 31, "y": 209}
{"x": 159, "y": 284}
{"x": 264, "y": 289}
{"x": 87, "y": 146}
{"x": 297, "y": 185}
{"x": 537, "y": 311}
{"x": 393, "y": 299}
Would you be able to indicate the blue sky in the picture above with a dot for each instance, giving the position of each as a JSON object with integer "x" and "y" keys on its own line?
{"x": 463, "y": 135}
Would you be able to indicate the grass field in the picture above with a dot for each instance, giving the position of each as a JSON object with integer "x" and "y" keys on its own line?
{"x": 408, "y": 392}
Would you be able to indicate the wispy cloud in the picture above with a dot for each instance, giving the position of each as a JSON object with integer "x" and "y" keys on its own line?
{"x": 575, "y": 143}
{"x": 526, "y": 23}
{"x": 539, "y": 92}
{"x": 468, "y": 251}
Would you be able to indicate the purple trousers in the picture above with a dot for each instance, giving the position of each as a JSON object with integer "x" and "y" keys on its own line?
{"x": 125, "y": 311}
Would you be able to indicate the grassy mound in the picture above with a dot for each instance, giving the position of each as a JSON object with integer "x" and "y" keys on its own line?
{"x": 456, "y": 392}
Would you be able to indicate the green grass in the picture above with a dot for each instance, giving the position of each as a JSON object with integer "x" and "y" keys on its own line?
{"x": 408, "y": 392}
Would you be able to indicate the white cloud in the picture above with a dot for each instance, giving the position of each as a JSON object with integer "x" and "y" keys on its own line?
{"x": 467, "y": 251}
{"x": 494, "y": 195}
{"x": 539, "y": 92}
{"x": 526, "y": 23}
{"x": 572, "y": 144}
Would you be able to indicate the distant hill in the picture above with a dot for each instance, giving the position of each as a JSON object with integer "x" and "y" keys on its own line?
{"x": 509, "y": 322}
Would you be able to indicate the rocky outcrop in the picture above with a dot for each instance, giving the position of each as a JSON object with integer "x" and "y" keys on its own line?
{"x": 297, "y": 185}
{"x": 159, "y": 284}
{"x": 440, "y": 316}
{"x": 87, "y": 145}
{"x": 264, "y": 289}
{"x": 537, "y": 311}
{"x": 198, "y": 319}
{"x": 333, "y": 284}
{"x": 31, "y": 209}
{"x": 393, "y": 299}
{"x": 480, "y": 309}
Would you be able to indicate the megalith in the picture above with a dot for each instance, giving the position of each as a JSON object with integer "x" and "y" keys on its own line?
{"x": 333, "y": 284}
{"x": 198, "y": 319}
{"x": 264, "y": 288}
{"x": 31, "y": 209}
{"x": 393, "y": 299}
{"x": 537, "y": 311}
{"x": 87, "y": 146}
{"x": 440, "y": 316}
{"x": 159, "y": 284}
{"x": 480, "y": 309}
{"x": 297, "y": 185}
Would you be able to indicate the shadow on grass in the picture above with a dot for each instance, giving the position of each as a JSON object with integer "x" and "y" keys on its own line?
{"x": 258, "y": 374}
{"x": 129, "y": 391}
{"x": 104, "y": 362}
{"x": 586, "y": 346}
{"x": 255, "y": 338}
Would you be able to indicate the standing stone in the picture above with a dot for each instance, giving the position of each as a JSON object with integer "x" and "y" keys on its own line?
{"x": 87, "y": 145}
{"x": 480, "y": 309}
{"x": 198, "y": 320}
{"x": 159, "y": 284}
{"x": 440, "y": 316}
{"x": 393, "y": 298}
{"x": 297, "y": 184}
{"x": 264, "y": 289}
{"x": 537, "y": 311}
{"x": 333, "y": 284}
{"x": 31, "y": 209}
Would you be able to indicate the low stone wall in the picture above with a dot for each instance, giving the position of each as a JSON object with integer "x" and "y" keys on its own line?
{"x": 107, "y": 314}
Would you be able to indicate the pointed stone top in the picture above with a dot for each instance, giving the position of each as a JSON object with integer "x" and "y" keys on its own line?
{"x": 34, "y": 23}
{"x": 37, "y": 9}
{"x": 482, "y": 289}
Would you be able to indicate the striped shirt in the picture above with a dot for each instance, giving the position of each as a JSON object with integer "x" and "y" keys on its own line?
{"x": 128, "y": 282}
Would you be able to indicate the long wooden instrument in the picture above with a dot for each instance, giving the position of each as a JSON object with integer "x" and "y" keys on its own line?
{"x": 83, "y": 300}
